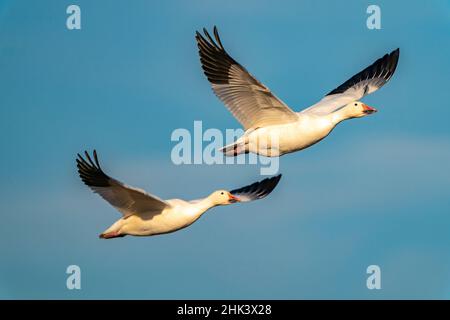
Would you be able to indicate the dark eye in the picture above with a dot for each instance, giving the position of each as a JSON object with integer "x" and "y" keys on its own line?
{"x": 221, "y": 193}
{"x": 356, "y": 104}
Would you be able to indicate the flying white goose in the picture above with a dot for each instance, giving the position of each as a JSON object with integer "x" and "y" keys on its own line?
{"x": 146, "y": 215}
{"x": 271, "y": 127}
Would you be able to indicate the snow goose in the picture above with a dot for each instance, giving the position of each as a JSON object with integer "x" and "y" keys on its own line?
{"x": 144, "y": 214}
{"x": 271, "y": 127}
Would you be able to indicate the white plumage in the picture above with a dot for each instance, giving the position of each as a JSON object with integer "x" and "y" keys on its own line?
{"x": 144, "y": 214}
{"x": 272, "y": 128}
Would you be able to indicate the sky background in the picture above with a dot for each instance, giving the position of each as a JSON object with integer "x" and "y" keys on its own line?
{"x": 376, "y": 191}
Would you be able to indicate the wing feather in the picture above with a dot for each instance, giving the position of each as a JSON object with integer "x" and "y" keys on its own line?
{"x": 250, "y": 101}
{"x": 257, "y": 190}
{"x": 128, "y": 200}
{"x": 363, "y": 83}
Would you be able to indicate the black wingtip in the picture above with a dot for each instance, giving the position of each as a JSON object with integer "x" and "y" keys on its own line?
{"x": 395, "y": 54}
{"x": 206, "y": 33}
{"x": 214, "y": 59}
{"x": 384, "y": 66}
{"x": 275, "y": 179}
{"x": 394, "y": 57}
{"x": 90, "y": 171}
{"x": 96, "y": 160}
{"x": 258, "y": 190}
{"x": 278, "y": 178}
{"x": 216, "y": 35}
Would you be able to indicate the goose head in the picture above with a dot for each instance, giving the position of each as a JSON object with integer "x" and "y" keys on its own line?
{"x": 357, "y": 109}
{"x": 223, "y": 197}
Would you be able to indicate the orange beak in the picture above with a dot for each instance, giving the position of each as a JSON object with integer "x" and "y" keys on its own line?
{"x": 368, "y": 110}
{"x": 232, "y": 198}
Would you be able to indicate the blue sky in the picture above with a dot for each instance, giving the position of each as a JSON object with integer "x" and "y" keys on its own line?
{"x": 376, "y": 191}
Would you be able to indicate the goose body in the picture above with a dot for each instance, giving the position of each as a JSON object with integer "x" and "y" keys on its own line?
{"x": 290, "y": 137}
{"x": 144, "y": 214}
{"x": 178, "y": 215}
{"x": 271, "y": 127}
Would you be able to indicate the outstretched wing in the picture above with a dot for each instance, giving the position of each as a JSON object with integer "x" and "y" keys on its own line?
{"x": 367, "y": 81}
{"x": 250, "y": 101}
{"x": 257, "y": 190}
{"x": 126, "y": 199}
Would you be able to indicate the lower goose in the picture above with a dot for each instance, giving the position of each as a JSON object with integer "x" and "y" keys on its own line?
{"x": 146, "y": 215}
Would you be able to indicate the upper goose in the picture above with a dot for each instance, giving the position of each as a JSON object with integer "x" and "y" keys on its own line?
{"x": 271, "y": 127}
{"x": 145, "y": 214}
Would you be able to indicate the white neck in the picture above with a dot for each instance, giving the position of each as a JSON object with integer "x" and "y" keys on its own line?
{"x": 339, "y": 116}
{"x": 203, "y": 205}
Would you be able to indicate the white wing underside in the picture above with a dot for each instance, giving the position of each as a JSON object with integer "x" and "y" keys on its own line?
{"x": 126, "y": 199}
{"x": 363, "y": 83}
{"x": 333, "y": 102}
{"x": 129, "y": 200}
{"x": 254, "y": 106}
